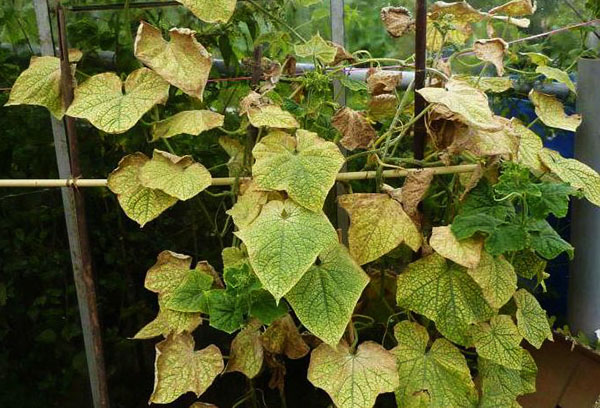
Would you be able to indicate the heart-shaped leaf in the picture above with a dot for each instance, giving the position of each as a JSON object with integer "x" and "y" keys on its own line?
{"x": 183, "y": 61}
{"x": 353, "y": 380}
{"x": 532, "y": 321}
{"x": 498, "y": 341}
{"x": 141, "y": 204}
{"x": 551, "y": 111}
{"x": 179, "y": 177}
{"x": 304, "y": 166}
{"x": 283, "y": 242}
{"x": 191, "y": 122}
{"x": 466, "y": 252}
{"x": 101, "y": 100}
{"x": 326, "y": 296}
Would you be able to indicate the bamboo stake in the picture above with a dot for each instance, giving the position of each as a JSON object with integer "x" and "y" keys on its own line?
{"x": 228, "y": 181}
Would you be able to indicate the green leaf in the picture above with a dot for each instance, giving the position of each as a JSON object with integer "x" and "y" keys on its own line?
{"x": 192, "y": 122}
{"x": 283, "y": 242}
{"x": 546, "y": 241}
{"x": 226, "y": 311}
{"x": 441, "y": 372}
{"x": 465, "y": 226}
{"x": 481, "y": 200}
{"x": 536, "y": 58}
{"x": 233, "y": 257}
{"x": 304, "y": 166}
{"x": 352, "y": 84}
{"x": 496, "y": 278}
{"x": 264, "y": 307}
{"x": 178, "y": 176}
{"x": 554, "y": 199}
{"x": 531, "y": 319}
{"x": 466, "y": 252}
{"x": 240, "y": 278}
{"x": 317, "y": 48}
{"x": 182, "y": 61}
{"x": 577, "y": 174}
{"x": 326, "y": 296}
{"x": 101, "y": 100}
{"x": 528, "y": 265}
{"x": 378, "y": 224}
{"x": 558, "y": 75}
{"x": 502, "y": 385}
{"x": 246, "y": 355}
{"x": 551, "y": 112}
{"x": 515, "y": 181}
{"x": 501, "y": 237}
{"x": 140, "y": 203}
{"x": 498, "y": 341}
{"x": 39, "y": 85}
{"x": 189, "y": 295}
{"x": 180, "y": 369}
{"x": 353, "y": 380}
{"x": 282, "y": 337}
{"x": 445, "y": 293}
{"x": 211, "y": 11}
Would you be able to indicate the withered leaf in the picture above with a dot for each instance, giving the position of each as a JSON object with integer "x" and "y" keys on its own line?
{"x": 397, "y": 21}
{"x": 356, "y": 130}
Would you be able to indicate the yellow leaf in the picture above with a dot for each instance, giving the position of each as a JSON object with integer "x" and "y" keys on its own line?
{"x": 356, "y": 130}
{"x": 191, "y": 122}
{"x": 179, "y": 177}
{"x": 140, "y": 203}
{"x": 183, "y": 61}
{"x": 101, "y": 100}
{"x": 466, "y": 252}
{"x": 461, "y": 10}
{"x": 382, "y": 106}
{"x": 552, "y": 112}
{"x": 516, "y": 8}
{"x": 488, "y": 84}
{"x": 272, "y": 116}
{"x": 169, "y": 321}
{"x": 282, "y": 337}
{"x": 39, "y": 85}
{"x": 211, "y": 11}
{"x": 470, "y": 105}
{"x": 246, "y": 355}
{"x": 353, "y": 380}
{"x": 530, "y": 145}
{"x": 537, "y": 58}
{"x": 179, "y": 369}
{"x": 492, "y": 50}
{"x": 574, "y": 172}
{"x": 486, "y": 143}
{"x": 248, "y": 205}
{"x": 496, "y": 277}
{"x": 397, "y": 21}
{"x": 378, "y": 224}
{"x": 304, "y": 166}
{"x": 317, "y": 48}
{"x": 558, "y": 75}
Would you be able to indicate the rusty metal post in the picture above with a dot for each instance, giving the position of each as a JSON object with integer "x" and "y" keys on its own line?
{"x": 420, "y": 61}
{"x": 81, "y": 257}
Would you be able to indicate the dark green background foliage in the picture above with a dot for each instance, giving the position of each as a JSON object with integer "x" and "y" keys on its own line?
{"x": 42, "y": 362}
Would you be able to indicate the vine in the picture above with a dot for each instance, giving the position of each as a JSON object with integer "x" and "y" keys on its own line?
{"x": 451, "y": 254}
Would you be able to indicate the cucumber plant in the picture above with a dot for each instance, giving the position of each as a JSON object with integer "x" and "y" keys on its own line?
{"x": 442, "y": 268}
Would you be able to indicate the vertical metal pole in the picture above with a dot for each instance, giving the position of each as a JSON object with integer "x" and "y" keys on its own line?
{"x": 338, "y": 35}
{"x": 76, "y": 230}
{"x": 584, "y": 279}
{"x": 420, "y": 61}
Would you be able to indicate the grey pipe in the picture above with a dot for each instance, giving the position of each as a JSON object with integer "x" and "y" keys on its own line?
{"x": 584, "y": 279}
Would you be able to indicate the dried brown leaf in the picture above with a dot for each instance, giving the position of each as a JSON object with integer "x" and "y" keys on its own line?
{"x": 397, "y": 21}
{"x": 414, "y": 189}
{"x": 383, "y": 82}
{"x": 356, "y": 130}
{"x": 492, "y": 50}
{"x": 282, "y": 337}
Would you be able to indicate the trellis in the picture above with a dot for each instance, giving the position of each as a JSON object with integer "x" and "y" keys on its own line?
{"x": 70, "y": 181}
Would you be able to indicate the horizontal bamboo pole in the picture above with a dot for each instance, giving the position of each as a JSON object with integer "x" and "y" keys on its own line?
{"x": 227, "y": 181}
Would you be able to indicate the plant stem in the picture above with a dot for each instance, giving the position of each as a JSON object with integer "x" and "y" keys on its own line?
{"x": 168, "y": 145}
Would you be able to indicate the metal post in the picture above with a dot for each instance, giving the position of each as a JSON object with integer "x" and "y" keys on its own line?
{"x": 338, "y": 35}
{"x": 76, "y": 228}
{"x": 584, "y": 279}
{"x": 420, "y": 61}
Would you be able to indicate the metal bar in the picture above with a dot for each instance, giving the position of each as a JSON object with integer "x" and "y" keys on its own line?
{"x": 227, "y": 181}
{"x": 79, "y": 240}
{"x": 420, "y": 73}
{"x": 584, "y": 277}
{"x": 338, "y": 35}
{"x": 121, "y": 6}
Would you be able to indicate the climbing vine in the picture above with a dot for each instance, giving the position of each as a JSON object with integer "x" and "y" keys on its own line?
{"x": 442, "y": 268}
